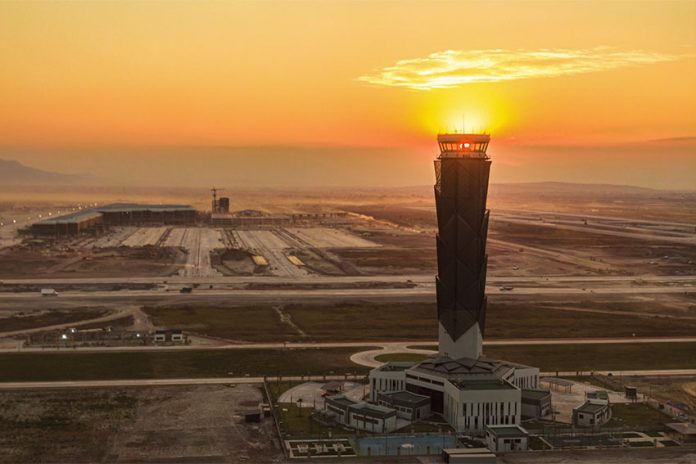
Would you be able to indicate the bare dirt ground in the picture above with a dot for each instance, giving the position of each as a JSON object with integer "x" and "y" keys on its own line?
{"x": 619, "y": 456}
{"x": 233, "y": 261}
{"x": 56, "y": 260}
{"x": 565, "y": 401}
{"x": 678, "y": 390}
{"x": 152, "y": 424}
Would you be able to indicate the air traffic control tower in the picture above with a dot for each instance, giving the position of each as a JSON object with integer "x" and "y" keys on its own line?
{"x": 461, "y": 188}
{"x": 463, "y": 386}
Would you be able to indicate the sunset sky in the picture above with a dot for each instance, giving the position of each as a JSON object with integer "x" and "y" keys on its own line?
{"x": 566, "y": 88}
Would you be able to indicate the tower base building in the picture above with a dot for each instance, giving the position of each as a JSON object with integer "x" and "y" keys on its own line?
{"x": 469, "y": 390}
{"x": 468, "y": 393}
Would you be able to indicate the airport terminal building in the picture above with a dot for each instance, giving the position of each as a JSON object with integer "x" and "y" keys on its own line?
{"x": 116, "y": 214}
{"x": 469, "y": 390}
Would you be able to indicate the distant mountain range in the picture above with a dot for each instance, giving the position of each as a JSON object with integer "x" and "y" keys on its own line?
{"x": 15, "y": 173}
{"x": 567, "y": 188}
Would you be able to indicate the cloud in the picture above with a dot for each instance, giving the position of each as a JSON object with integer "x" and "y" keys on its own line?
{"x": 454, "y": 68}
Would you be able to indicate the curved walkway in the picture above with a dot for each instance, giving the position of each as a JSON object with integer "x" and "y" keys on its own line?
{"x": 367, "y": 358}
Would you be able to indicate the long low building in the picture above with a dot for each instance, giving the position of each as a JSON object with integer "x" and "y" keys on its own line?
{"x": 469, "y": 394}
{"x": 69, "y": 224}
{"x": 360, "y": 415}
{"x": 408, "y": 405}
{"x": 96, "y": 219}
{"x": 133, "y": 213}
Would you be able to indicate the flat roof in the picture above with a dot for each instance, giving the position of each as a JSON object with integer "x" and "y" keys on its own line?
{"x": 535, "y": 394}
{"x": 129, "y": 207}
{"x": 591, "y": 408}
{"x": 507, "y": 430}
{"x": 341, "y": 400}
{"x": 406, "y": 397}
{"x": 457, "y": 138}
{"x": 686, "y": 428}
{"x": 466, "y": 451}
{"x": 77, "y": 216}
{"x": 396, "y": 366}
{"x": 96, "y": 212}
{"x": 372, "y": 410}
{"x": 482, "y": 384}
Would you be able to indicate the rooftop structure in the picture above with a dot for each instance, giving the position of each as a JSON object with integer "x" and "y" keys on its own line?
{"x": 534, "y": 395}
{"x": 683, "y": 432}
{"x": 372, "y": 410}
{"x": 139, "y": 207}
{"x": 340, "y": 400}
{"x": 507, "y": 431}
{"x": 395, "y": 366}
{"x": 463, "y": 145}
{"x": 75, "y": 217}
{"x": 404, "y": 397}
{"x": 592, "y": 413}
{"x": 470, "y": 366}
{"x": 506, "y": 438}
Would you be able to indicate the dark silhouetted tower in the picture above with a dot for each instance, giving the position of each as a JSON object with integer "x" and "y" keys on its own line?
{"x": 461, "y": 189}
{"x": 224, "y": 205}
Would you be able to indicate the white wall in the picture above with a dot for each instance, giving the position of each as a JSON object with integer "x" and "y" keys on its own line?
{"x": 386, "y": 382}
{"x": 482, "y": 408}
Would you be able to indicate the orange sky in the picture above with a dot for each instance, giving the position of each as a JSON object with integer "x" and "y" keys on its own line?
{"x": 362, "y": 74}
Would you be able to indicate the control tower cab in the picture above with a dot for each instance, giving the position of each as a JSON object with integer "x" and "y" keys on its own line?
{"x": 463, "y": 145}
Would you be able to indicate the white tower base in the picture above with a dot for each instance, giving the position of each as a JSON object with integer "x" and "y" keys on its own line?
{"x": 466, "y": 346}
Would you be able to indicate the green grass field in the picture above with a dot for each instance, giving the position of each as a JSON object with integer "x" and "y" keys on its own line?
{"x": 400, "y": 357}
{"x": 52, "y": 317}
{"x": 258, "y": 323}
{"x": 220, "y": 363}
{"x": 636, "y": 415}
{"x": 175, "y": 364}
{"x": 363, "y": 321}
{"x": 366, "y": 321}
{"x": 599, "y": 357}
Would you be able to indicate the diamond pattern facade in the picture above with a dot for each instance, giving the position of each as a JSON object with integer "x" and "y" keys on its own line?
{"x": 461, "y": 191}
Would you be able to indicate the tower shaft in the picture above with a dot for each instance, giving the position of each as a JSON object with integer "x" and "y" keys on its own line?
{"x": 461, "y": 190}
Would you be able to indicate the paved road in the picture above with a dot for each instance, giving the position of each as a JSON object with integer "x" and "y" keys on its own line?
{"x": 390, "y": 347}
{"x": 421, "y": 290}
{"x": 317, "y": 279}
{"x": 257, "y": 380}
